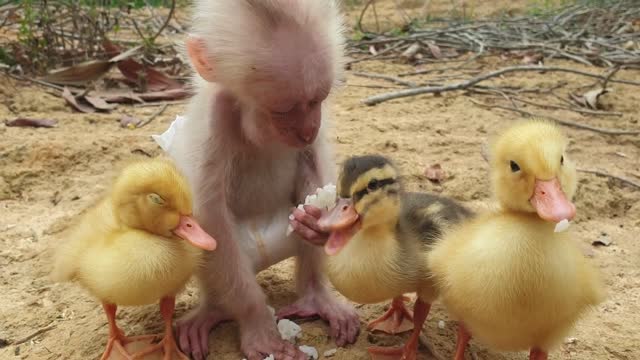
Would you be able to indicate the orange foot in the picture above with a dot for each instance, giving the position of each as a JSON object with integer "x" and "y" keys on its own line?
{"x": 410, "y": 349}
{"x": 118, "y": 341}
{"x": 392, "y": 353}
{"x": 397, "y": 319}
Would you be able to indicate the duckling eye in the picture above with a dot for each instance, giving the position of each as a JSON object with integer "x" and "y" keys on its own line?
{"x": 156, "y": 199}
{"x": 514, "y": 166}
{"x": 561, "y": 160}
{"x": 373, "y": 184}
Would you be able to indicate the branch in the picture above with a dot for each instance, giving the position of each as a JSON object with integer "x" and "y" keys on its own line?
{"x": 559, "y": 121}
{"x": 392, "y": 79}
{"x": 34, "y": 334}
{"x": 166, "y": 22}
{"x": 621, "y": 179}
{"x": 373, "y": 100}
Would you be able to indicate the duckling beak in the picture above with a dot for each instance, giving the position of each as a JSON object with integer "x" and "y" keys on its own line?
{"x": 550, "y": 202}
{"x": 188, "y": 229}
{"x": 342, "y": 222}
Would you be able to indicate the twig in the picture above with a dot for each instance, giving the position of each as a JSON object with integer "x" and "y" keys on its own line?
{"x": 373, "y": 100}
{"x": 166, "y": 22}
{"x": 569, "y": 108}
{"x": 392, "y": 79}
{"x": 154, "y": 115}
{"x": 559, "y": 121}
{"x": 174, "y": 102}
{"x": 36, "y": 333}
{"x": 621, "y": 179}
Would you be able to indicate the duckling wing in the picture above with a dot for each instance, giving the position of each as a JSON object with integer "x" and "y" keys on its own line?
{"x": 425, "y": 216}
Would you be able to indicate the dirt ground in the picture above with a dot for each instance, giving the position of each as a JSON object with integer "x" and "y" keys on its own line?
{"x": 49, "y": 176}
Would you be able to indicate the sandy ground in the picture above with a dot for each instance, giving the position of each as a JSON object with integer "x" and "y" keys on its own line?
{"x": 49, "y": 176}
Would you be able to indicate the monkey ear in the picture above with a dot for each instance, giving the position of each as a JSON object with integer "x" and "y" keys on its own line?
{"x": 197, "y": 50}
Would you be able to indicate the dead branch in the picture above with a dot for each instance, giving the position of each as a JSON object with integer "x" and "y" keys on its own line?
{"x": 166, "y": 22}
{"x": 619, "y": 178}
{"x": 34, "y": 334}
{"x": 377, "y": 99}
{"x": 154, "y": 115}
{"x": 392, "y": 79}
{"x": 559, "y": 121}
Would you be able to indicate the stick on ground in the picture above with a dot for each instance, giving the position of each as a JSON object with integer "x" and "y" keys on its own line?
{"x": 377, "y": 99}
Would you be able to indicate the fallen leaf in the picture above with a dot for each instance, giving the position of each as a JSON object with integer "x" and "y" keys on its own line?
{"x": 411, "y": 52}
{"x": 68, "y": 96}
{"x": 30, "y": 122}
{"x": 136, "y": 73}
{"x": 590, "y": 98}
{"x": 115, "y": 96}
{"x": 100, "y": 103}
{"x": 435, "y": 50}
{"x": 435, "y": 173}
{"x": 602, "y": 240}
{"x": 173, "y": 94}
{"x": 79, "y": 74}
{"x": 129, "y": 122}
{"x": 533, "y": 59}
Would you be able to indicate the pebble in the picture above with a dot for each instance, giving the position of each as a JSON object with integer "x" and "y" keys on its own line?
{"x": 441, "y": 324}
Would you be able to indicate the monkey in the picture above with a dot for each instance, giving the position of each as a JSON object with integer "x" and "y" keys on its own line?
{"x": 254, "y": 143}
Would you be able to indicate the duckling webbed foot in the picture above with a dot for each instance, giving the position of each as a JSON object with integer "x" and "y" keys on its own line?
{"x": 537, "y": 354}
{"x": 397, "y": 319}
{"x": 410, "y": 350}
{"x": 117, "y": 340}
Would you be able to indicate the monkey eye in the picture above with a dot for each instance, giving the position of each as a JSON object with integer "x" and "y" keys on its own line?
{"x": 514, "y": 166}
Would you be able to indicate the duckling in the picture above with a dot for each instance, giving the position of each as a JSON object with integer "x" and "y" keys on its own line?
{"x": 509, "y": 279}
{"x": 138, "y": 245}
{"x": 379, "y": 236}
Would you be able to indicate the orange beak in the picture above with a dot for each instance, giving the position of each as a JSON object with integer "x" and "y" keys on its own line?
{"x": 342, "y": 222}
{"x": 188, "y": 229}
{"x": 550, "y": 202}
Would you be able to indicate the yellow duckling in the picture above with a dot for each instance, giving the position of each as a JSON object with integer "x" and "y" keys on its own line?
{"x": 379, "y": 236}
{"x": 130, "y": 248}
{"x": 508, "y": 278}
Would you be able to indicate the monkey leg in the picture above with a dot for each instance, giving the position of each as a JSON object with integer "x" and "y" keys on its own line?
{"x": 410, "y": 350}
{"x": 397, "y": 319}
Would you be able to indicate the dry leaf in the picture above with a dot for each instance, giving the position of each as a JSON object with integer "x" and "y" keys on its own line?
{"x": 435, "y": 173}
{"x": 79, "y": 74}
{"x": 136, "y": 72}
{"x": 173, "y": 94}
{"x": 533, "y": 59}
{"x": 100, "y": 103}
{"x": 30, "y": 122}
{"x": 590, "y": 98}
{"x": 115, "y": 96}
{"x": 411, "y": 51}
{"x": 66, "y": 94}
{"x": 129, "y": 122}
{"x": 435, "y": 50}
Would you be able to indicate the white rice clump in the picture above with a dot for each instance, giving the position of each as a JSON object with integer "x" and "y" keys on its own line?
{"x": 562, "y": 226}
{"x": 289, "y": 330}
{"x": 324, "y": 198}
{"x": 311, "y": 352}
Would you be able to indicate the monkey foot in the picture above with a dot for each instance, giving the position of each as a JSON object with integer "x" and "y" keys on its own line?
{"x": 397, "y": 319}
{"x": 193, "y": 331}
{"x": 259, "y": 343}
{"x": 343, "y": 318}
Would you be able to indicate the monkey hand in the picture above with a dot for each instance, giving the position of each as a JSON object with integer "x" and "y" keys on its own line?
{"x": 305, "y": 223}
